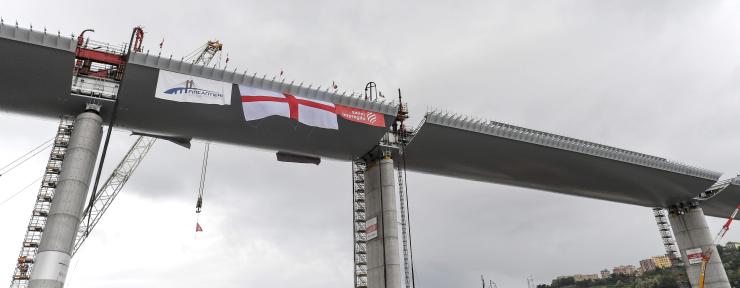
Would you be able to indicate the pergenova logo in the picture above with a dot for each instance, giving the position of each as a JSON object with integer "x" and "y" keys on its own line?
{"x": 371, "y": 117}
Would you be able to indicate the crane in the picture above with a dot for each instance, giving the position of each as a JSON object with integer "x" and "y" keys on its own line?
{"x": 110, "y": 189}
{"x": 491, "y": 284}
{"x": 106, "y": 194}
{"x": 205, "y": 53}
{"x": 707, "y": 254}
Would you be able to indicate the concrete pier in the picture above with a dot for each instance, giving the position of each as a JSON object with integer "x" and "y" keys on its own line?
{"x": 55, "y": 250}
{"x": 383, "y": 258}
{"x": 692, "y": 232}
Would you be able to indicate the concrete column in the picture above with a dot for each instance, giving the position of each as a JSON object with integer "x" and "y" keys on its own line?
{"x": 691, "y": 231}
{"x": 55, "y": 250}
{"x": 383, "y": 258}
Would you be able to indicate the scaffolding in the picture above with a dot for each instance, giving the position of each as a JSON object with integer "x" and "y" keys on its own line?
{"x": 671, "y": 248}
{"x": 359, "y": 225}
{"x": 666, "y": 234}
{"x": 30, "y": 246}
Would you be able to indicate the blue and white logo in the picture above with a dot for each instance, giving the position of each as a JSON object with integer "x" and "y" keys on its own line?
{"x": 184, "y": 88}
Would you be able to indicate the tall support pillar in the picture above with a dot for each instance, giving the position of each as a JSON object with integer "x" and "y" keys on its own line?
{"x": 383, "y": 256}
{"x": 692, "y": 232}
{"x": 55, "y": 249}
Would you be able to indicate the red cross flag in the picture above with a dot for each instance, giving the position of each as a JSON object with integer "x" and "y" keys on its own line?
{"x": 259, "y": 103}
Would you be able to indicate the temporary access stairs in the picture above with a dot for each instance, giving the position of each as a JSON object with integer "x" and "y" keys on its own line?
{"x": 359, "y": 227}
{"x": 671, "y": 248}
{"x": 31, "y": 241}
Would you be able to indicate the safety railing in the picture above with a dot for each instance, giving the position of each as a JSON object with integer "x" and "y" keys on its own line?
{"x": 104, "y": 47}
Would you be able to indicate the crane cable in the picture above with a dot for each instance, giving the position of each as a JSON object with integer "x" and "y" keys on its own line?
{"x": 203, "y": 172}
{"x": 15, "y": 163}
{"x": 21, "y": 190}
{"x": 408, "y": 212}
{"x": 190, "y": 57}
{"x": 111, "y": 124}
{"x": 403, "y": 135}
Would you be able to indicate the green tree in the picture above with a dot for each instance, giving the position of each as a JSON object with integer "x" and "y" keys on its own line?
{"x": 666, "y": 280}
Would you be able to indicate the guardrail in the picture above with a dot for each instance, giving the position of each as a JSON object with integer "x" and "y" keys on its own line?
{"x": 52, "y": 40}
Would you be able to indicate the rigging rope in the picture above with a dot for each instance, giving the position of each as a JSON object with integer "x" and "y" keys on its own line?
{"x": 10, "y": 166}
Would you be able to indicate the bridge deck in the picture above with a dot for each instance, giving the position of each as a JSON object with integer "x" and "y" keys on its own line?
{"x": 36, "y": 80}
{"x": 499, "y": 153}
{"x": 722, "y": 204}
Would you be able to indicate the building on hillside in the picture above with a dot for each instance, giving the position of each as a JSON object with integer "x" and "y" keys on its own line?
{"x": 605, "y": 273}
{"x": 662, "y": 262}
{"x": 581, "y": 277}
{"x": 647, "y": 265}
{"x": 628, "y": 270}
{"x": 735, "y": 245}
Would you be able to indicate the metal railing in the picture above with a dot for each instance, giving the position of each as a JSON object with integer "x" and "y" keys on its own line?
{"x": 104, "y": 47}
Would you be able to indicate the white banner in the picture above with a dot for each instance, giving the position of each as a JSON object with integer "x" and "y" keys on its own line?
{"x": 372, "y": 228}
{"x": 185, "y": 88}
{"x": 694, "y": 255}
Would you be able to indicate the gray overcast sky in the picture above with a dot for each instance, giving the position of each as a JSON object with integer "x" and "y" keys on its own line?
{"x": 659, "y": 77}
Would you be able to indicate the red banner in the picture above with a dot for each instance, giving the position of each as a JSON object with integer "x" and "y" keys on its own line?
{"x": 361, "y": 116}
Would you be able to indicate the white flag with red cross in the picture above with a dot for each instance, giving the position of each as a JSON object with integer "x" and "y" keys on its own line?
{"x": 260, "y": 103}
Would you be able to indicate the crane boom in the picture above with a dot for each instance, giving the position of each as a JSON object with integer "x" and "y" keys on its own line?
{"x": 204, "y": 54}
{"x": 112, "y": 187}
{"x": 707, "y": 254}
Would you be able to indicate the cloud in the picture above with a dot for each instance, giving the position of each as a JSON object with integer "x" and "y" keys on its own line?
{"x": 658, "y": 77}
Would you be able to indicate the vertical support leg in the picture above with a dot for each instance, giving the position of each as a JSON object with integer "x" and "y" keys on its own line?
{"x": 384, "y": 265}
{"x": 692, "y": 232}
{"x": 55, "y": 250}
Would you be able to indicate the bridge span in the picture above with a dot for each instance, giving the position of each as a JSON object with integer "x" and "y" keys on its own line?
{"x": 487, "y": 151}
